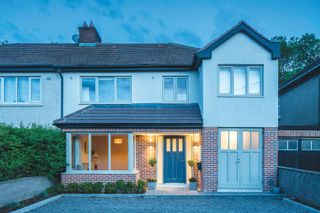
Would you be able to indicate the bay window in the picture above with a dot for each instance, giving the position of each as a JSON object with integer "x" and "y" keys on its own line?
{"x": 240, "y": 80}
{"x": 100, "y": 152}
{"x": 175, "y": 89}
{"x": 20, "y": 89}
{"x": 105, "y": 89}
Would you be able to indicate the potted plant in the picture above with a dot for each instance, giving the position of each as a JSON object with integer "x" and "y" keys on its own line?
{"x": 191, "y": 164}
{"x": 152, "y": 182}
{"x": 275, "y": 187}
{"x": 193, "y": 183}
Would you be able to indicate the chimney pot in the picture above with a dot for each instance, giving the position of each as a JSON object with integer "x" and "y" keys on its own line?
{"x": 91, "y": 24}
{"x": 84, "y": 24}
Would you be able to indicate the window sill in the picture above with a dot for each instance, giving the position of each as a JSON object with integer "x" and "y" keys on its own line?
{"x": 119, "y": 172}
{"x": 240, "y": 96}
{"x": 21, "y": 105}
{"x": 97, "y": 103}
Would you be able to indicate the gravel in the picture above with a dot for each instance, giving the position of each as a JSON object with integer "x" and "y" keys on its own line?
{"x": 197, "y": 204}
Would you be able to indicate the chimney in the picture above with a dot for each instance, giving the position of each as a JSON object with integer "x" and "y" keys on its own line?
{"x": 88, "y": 34}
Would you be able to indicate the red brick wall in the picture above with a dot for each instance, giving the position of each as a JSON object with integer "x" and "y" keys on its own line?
{"x": 209, "y": 159}
{"x": 270, "y": 157}
{"x": 145, "y": 150}
{"x": 81, "y": 178}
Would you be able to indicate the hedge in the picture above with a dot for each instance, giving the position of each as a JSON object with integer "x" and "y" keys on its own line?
{"x": 96, "y": 188}
{"x": 31, "y": 151}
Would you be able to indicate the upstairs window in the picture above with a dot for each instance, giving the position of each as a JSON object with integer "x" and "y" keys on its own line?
{"x": 175, "y": 89}
{"x": 105, "y": 89}
{"x": 20, "y": 89}
{"x": 240, "y": 80}
{"x": 310, "y": 145}
{"x": 288, "y": 145}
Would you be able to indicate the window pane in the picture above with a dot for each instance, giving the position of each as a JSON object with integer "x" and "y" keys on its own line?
{"x": 254, "y": 80}
{"x": 282, "y": 145}
{"x": 119, "y": 152}
{"x": 174, "y": 145}
{"x": 246, "y": 140}
{"x": 23, "y": 89}
{"x": 123, "y": 89}
{"x": 10, "y": 89}
{"x": 292, "y": 145}
{"x": 180, "y": 145}
{"x": 224, "y": 82}
{"x": 182, "y": 89}
{"x": 224, "y": 140}
{"x": 233, "y": 140}
{"x": 35, "y": 89}
{"x": 168, "y": 89}
{"x": 168, "y": 145}
{"x": 255, "y": 139}
{"x": 306, "y": 145}
{"x": 316, "y": 145}
{"x": 99, "y": 152}
{"x": 88, "y": 89}
{"x": 79, "y": 152}
{"x": 239, "y": 83}
{"x": 106, "y": 90}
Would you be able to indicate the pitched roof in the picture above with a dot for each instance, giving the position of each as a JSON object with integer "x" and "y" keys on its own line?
{"x": 134, "y": 115}
{"x": 300, "y": 76}
{"x": 272, "y": 46}
{"x": 103, "y": 55}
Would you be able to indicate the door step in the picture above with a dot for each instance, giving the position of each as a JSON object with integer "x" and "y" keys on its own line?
{"x": 173, "y": 187}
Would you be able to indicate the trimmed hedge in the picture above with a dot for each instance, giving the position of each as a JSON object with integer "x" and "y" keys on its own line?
{"x": 31, "y": 151}
{"x": 119, "y": 187}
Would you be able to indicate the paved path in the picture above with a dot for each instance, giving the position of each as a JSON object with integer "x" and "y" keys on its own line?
{"x": 194, "y": 204}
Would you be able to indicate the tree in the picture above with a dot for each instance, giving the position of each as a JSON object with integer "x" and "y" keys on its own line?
{"x": 296, "y": 54}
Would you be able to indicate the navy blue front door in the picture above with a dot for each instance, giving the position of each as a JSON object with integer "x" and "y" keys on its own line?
{"x": 174, "y": 159}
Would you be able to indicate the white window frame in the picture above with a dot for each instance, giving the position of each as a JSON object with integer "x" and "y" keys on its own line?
{"x": 175, "y": 90}
{"x": 311, "y": 140}
{"x": 247, "y": 68}
{"x": 131, "y": 154}
{"x": 287, "y": 145}
{"x": 2, "y": 102}
{"x": 96, "y": 101}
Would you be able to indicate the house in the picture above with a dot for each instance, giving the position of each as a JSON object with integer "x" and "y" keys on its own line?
{"x": 299, "y": 123}
{"x": 121, "y": 105}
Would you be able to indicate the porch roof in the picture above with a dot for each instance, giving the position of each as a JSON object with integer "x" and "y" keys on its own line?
{"x": 133, "y": 116}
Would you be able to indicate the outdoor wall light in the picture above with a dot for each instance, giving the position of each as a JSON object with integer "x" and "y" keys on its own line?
{"x": 117, "y": 141}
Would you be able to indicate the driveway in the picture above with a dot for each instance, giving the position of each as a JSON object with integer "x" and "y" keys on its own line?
{"x": 196, "y": 204}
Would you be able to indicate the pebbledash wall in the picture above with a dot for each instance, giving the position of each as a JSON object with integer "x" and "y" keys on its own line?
{"x": 210, "y": 158}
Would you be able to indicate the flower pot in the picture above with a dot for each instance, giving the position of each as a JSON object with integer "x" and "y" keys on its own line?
{"x": 193, "y": 186}
{"x": 276, "y": 190}
{"x": 152, "y": 185}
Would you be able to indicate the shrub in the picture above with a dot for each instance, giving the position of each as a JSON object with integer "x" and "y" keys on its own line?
{"x": 31, "y": 151}
{"x": 97, "y": 188}
{"x": 152, "y": 162}
{"x": 152, "y": 180}
{"x": 130, "y": 188}
{"x": 192, "y": 179}
{"x": 141, "y": 188}
{"x": 121, "y": 185}
{"x": 110, "y": 188}
{"x": 72, "y": 188}
{"x": 85, "y": 188}
{"x": 60, "y": 188}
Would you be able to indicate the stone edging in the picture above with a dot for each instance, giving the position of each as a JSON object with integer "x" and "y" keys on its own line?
{"x": 38, "y": 204}
{"x": 301, "y": 205}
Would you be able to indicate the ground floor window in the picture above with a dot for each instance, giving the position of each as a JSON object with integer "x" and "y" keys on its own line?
{"x": 104, "y": 152}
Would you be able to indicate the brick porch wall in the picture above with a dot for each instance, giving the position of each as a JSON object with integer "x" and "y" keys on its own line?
{"x": 145, "y": 150}
{"x": 270, "y": 157}
{"x": 104, "y": 178}
{"x": 209, "y": 159}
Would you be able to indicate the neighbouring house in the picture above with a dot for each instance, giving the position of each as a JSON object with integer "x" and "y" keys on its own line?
{"x": 121, "y": 105}
{"x": 299, "y": 123}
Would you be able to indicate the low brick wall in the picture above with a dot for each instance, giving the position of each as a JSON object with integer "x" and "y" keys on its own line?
{"x": 22, "y": 189}
{"x": 301, "y": 184}
{"x": 104, "y": 178}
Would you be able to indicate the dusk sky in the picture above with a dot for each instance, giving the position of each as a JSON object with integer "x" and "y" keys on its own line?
{"x": 190, "y": 22}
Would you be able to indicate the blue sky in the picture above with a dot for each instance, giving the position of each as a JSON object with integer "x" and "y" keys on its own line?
{"x": 190, "y": 22}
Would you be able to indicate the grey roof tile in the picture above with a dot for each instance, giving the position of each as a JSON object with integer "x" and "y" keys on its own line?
{"x": 134, "y": 115}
